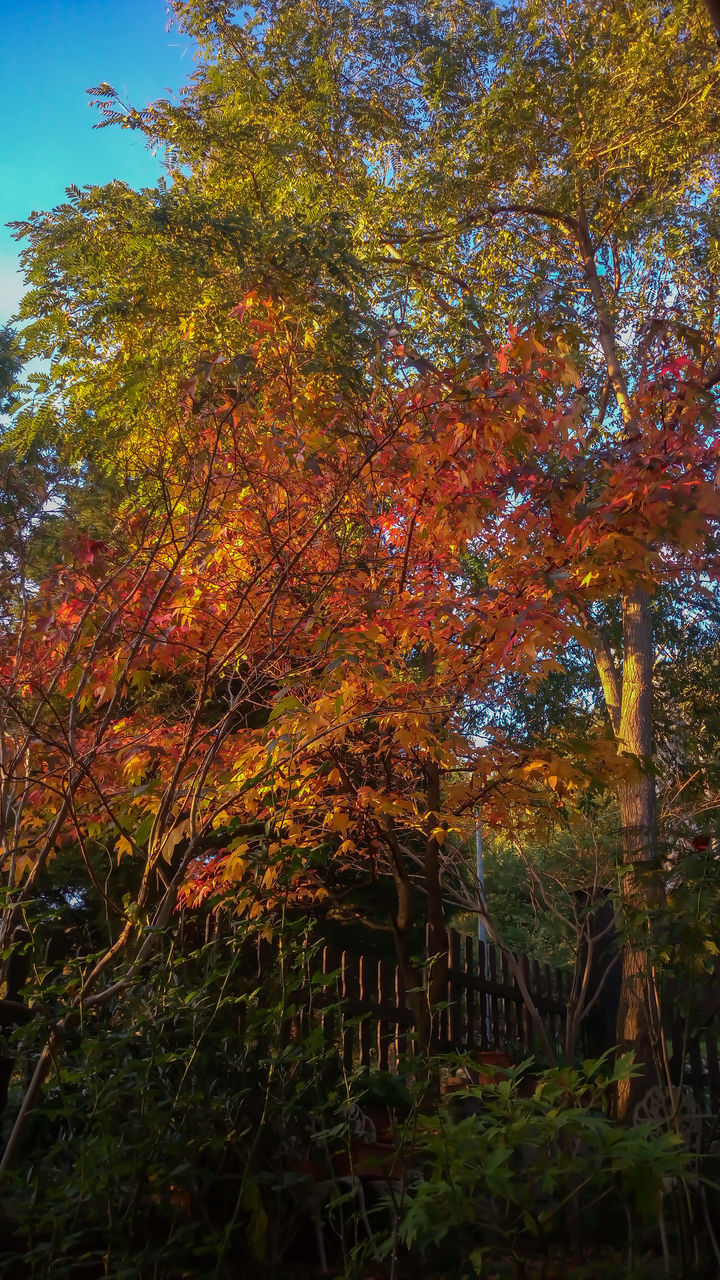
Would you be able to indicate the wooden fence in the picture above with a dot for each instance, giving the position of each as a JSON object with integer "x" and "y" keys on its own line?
{"x": 694, "y": 1057}
{"x": 363, "y": 1000}
{"x": 484, "y": 1007}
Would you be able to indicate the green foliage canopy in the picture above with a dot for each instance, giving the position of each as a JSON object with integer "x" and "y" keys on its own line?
{"x": 432, "y": 171}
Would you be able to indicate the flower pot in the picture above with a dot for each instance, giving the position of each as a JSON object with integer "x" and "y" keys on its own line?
{"x": 316, "y": 1167}
{"x": 492, "y": 1065}
{"x": 384, "y": 1121}
{"x": 453, "y": 1083}
{"x": 527, "y": 1085}
{"x": 374, "y": 1159}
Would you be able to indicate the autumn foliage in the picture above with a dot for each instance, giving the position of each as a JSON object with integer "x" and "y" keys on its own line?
{"x": 264, "y": 679}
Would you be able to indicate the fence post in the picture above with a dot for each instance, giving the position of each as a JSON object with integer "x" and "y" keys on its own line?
{"x": 456, "y": 994}
{"x": 470, "y": 994}
{"x": 348, "y": 976}
{"x": 403, "y": 1015}
{"x": 526, "y": 1025}
{"x": 494, "y": 1016}
{"x": 368, "y": 997}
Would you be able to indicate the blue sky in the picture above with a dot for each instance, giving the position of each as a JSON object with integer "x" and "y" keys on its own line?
{"x": 51, "y": 51}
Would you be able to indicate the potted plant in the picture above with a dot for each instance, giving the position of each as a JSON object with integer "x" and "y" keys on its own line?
{"x": 491, "y": 1065}
{"x": 386, "y": 1102}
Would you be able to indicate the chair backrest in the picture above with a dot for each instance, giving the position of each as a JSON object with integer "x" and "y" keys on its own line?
{"x": 673, "y": 1109}
{"x": 361, "y": 1126}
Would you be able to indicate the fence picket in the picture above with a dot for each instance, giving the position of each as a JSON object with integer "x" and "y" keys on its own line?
{"x": 404, "y": 1018}
{"x": 525, "y": 1027}
{"x": 508, "y": 1006}
{"x": 495, "y": 1034}
{"x": 457, "y": 994}
{"x": 484, "y": 1000}
{"x": 368, "y": 999}
{"x": 387, "y": 1013}
{"x": 471, "y": 1027}
{"x": 329, "y": 993}
{"x": 349, "y": 986}
{"x": 711, "y": 1056}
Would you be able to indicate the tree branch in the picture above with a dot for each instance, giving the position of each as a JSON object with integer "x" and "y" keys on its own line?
{"x": 608, "y": 672}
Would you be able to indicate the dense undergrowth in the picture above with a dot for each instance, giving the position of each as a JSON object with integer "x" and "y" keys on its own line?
{"x": 206, "y": 1125}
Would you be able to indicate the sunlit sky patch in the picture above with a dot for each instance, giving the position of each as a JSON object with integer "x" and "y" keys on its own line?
{"x": 51, "y": 51}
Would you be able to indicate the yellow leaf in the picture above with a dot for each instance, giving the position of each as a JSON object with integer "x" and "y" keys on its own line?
{"x": 235, "y": 867}
{"x": 375, "y": 634}
{"x": 338, "y": 821}
{"x": 123, "y": 846}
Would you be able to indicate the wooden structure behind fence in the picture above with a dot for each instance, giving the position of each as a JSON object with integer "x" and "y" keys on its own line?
{"x": 362, "y": 1000}
{"x": 693, "y": 1052}
{"x": 484, "y": 1008}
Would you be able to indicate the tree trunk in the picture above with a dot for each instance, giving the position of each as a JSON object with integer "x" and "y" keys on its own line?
{"x": 402, "y": 924}
{"x": 438, "y": 942}
{"x": 641, "y": 888}
{"x": 713, "y": 8}
{"x": 629, "y": 701}
{"x": 606, "y": 330}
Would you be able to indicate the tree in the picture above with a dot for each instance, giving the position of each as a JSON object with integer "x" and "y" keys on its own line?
{"x": 10, "y": 365}
{"x": 620, "y": 521}
{"x": 266, "y": 661}
{"x": 714, "y": 11}
{"x": 376, "y": 170}
{"x": 202, "y": 696}
{"x": 413, "y": 183}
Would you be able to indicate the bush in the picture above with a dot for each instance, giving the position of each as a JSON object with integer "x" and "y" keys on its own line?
{"x": 169, "y": 1139}
{"x": 185, "y": 1130}
{"x": 511, "y": 1177}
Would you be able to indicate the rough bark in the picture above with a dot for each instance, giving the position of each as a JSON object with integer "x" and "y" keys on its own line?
{"x": 713, "y": 8}
{"x": 609, "y": 676}
{"x": 402, "y": 926}
{"x": 640, "y": 882}
{"x": 438, "y": 943}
